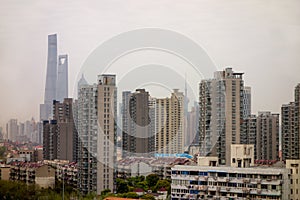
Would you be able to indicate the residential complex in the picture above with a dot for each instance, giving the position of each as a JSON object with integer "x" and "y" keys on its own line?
{"x": 138, "y": 137}
{"x": 267, "y": 136}
{"x": 221, "y": 113}
{"x": 12, "y": 129}
{"x": 246, "y": 102}
{"x": 249, "y": 133}
{"x": 169, "y": 132}
{"x": 290, "y": 127}
{"x": 97, "y": 107}
{"x": 202, "y": 182}
{"x": 29, "y": 173}
{"x": 60, "y": 134}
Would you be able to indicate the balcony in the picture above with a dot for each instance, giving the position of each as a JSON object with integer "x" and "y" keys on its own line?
{"x": 212, "y": 188}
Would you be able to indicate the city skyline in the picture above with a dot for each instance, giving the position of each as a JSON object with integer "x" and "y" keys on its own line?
{"x": 264, "y": 48}
{"x": 171, "y": 99}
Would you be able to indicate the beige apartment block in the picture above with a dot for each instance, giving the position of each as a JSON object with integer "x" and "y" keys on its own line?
{"x": 242, "y": 155}
{"x": 294, "y": 167}
{"x": 170, "y": 124}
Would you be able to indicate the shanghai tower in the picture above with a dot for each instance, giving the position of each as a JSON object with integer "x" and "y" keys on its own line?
{"x": 51, "y": 78}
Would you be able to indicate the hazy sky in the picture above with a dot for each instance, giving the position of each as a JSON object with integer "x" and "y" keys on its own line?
{"x": 260, "y": 38}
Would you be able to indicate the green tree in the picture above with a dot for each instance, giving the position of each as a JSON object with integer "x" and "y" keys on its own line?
{"x": 142, "y": 184}
{"x": 152, "y": 180}
{"x": 105, "y": 192}
{"x": 163, "y": 184}
{"x": 2, "y": 151}
{"x": 122, "y": 186}
{"x": 132, "y": 195}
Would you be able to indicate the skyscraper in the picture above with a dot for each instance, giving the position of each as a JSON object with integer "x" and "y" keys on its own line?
{"x": 290, "y": 127}
{"x": 62, "y": 78}
{"x": 137, "y": 137}
{"x": 12, "y": 129}
{"x": 97, "y": 107}
{"x": 267, "y": 136}
{"x": 51, "y": 77}
{"x": 170, "y": 124}
{"x": 221, "y": 113}
{"x": 56, "y": 87}
{"x": 87, "y": 128}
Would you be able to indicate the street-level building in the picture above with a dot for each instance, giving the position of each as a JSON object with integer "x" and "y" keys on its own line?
{"x": 202, "y": 182}
{"x": 294, "y": 167}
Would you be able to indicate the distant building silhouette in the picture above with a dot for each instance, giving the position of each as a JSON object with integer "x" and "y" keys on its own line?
{"x": 62, "y": 78}
{"x": 56, "y": 87}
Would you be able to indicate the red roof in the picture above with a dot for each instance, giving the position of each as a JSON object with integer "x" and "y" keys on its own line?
{"x": 162, "y": 189}
{"x": 138, "y": 190}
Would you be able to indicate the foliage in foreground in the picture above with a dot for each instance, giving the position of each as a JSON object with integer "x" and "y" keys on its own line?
{"x": 18, "y": 190}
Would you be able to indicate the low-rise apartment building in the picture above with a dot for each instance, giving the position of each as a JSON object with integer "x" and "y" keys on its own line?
{"x": 202, "y": 182}
{"x": 33, "y": 173}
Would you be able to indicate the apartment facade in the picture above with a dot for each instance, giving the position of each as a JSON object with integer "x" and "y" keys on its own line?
{"x": 200, "y": 182}
{"x": 170, "y": 124}
{"x": 246, "y": 102}
{"x": 138, "y": 135}
{"x": 221, "y": 113}
{"x": 267, "y": 138}
{"x": 290, "y": 127}
{"x": 12, "y": 130}
{"x": 33, "y": 173}
{"x": 249, "y": 132}
{"x": 294, "y": 167}
{"x": 60, "y": 134}
{"x": 66, "y": 133}
{"x": 97, "y": 109}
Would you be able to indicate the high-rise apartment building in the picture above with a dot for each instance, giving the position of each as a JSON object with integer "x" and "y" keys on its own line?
{"x": 50, "y": 139}
{"x": 66, "y": 133}
{"x": 290, "y": 130}
{"x": 12, "y": 129}
{"x": 249, "y": 133}
{"x": 170, "y": 124}
{"x": 267, "y": 136}
{"x": 87, "y": 127}
{"x": 97, "y": 109}
{"x": 246, "y": 102}
{"x": 60, "y": 134}
{"x": 137, "y": 138}
{"x": 221, "y": 113}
